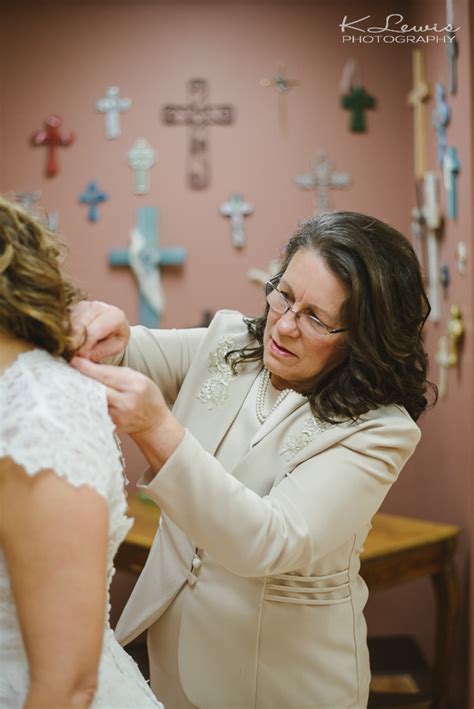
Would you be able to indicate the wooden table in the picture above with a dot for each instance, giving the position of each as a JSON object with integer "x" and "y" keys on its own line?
{"x": 398, "y": 549}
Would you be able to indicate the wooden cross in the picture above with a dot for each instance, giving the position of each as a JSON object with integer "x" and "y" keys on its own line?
{"x": 417, "y": 97}
{"x": 112, "y": 105}
{"x": 283, "y": 86}
{"x": 93, "y": 196}
{"x": 145, "y": 258}
{"x": 441, "y": 116}
{"x": 52, "y": 137}
{"x": 236, "y": 209}
{"x": 357, "y": 101}
{"x": 198, "y": 114}
{"x": 141, "y": 157}
{"x": 321, "y": 179}
{"x": 451, "y": 167}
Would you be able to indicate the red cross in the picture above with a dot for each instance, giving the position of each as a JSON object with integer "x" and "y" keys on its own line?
{"x": 52, "y": 136}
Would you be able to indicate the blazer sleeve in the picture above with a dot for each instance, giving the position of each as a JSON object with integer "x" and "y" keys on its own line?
{"x": 162, "y": 355}
{"x": 311, "y": 512}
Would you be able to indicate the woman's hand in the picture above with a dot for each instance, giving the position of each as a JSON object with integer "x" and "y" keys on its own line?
{"x": 105, "y": 326}
{"x": 137, "y": 407}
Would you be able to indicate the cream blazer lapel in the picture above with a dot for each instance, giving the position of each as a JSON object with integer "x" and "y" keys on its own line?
{"x": 208, "y": 405}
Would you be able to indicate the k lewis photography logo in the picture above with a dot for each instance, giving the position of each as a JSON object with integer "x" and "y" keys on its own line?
{"x": 394, "y": 30}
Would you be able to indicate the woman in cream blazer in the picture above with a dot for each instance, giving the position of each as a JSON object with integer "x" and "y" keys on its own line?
{"x": 251, "y": 593}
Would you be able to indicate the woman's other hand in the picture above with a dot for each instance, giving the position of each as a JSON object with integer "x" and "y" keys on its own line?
{"x": 105, "y": 327}
{"x": 137, "y": 407}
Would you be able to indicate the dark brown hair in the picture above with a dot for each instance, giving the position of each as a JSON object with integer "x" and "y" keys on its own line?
{"x": 34, "y": 297}
{"x": 385, "y": 361}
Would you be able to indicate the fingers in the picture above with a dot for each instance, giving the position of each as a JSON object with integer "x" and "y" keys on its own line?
{"x": 117, "y": 378}
{"x": 105, "y": 326}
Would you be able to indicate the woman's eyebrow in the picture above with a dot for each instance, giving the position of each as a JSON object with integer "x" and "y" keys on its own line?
{"x": 314, "y": 307}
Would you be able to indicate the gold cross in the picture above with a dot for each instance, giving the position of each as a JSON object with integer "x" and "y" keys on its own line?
{"x": 282, "y": 85}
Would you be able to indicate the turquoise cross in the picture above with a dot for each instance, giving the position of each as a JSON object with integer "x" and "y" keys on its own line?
{"x": 151, "y": 257}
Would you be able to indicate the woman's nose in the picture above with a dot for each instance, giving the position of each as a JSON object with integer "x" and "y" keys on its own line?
{"x": 287, "y": 323}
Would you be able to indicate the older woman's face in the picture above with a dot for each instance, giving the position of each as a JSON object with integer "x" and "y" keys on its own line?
{"x": 294, "y": 358}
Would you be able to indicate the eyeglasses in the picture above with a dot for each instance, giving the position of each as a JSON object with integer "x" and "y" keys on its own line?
{"x": 281, "y": 303}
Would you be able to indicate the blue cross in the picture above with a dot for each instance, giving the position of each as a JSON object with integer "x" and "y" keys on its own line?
{"x": 93, "y": 196}
{"x": 441, "y": 117}
{"x": 152, "y": 257}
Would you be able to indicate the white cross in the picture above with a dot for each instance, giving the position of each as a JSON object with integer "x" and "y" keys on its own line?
{"x": 236, "y": 209}
{"x": 112, "y": 105}
{"x": 432, "y": 218}
{"x": 141, "y": 157}
{"x": 320, "y": 180}
{"x": 28, "y": 200}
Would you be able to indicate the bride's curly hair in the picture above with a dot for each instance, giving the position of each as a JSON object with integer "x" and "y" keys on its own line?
{"x": 35, "y": 298}
{"x": 385, "y": 361}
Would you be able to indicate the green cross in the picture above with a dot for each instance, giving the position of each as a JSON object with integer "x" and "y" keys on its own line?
{"x": 357, "y": 101}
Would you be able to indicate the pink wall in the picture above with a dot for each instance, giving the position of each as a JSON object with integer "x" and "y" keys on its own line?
{"x": 65, "y": 55}
{"x": 437, "y": 483}
{"x": 471, "y": 579}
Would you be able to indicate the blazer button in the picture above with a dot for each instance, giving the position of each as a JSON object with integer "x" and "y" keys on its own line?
{"x": 197, "y": 563}
{"x": 192, "y": 579}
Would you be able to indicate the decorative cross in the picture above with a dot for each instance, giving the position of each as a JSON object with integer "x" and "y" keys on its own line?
{"x": 452, "y": 48}
{"x": 53, "y": 221}
{"x": 416, "y": 98}
{"x": 417, "y": 228}
{"x": 112, "y": 105}
{"x": 145, "y": 258}
{"x": 451, "y": 167}
{"x": 357, "y": 101}
{"x": 93, "y": 196}
{"x": 441, "y": 116}
{"x": 321, "y": 180}
{"x": 236, "y": 209}
{"x": 260, "y": 277}
{"x": 433, "y": 223}
{"x": 461, "y": 257}
{"x": 449, "y": 347}
{"x": 283, "y": 86}
{"x": 198, "y": 114}
{"x": 141, "y": 157}
{"x": 28, "y": 200}
{"x": 52, "y": 137}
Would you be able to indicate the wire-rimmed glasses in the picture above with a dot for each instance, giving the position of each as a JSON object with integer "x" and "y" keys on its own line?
{"x": 281, "y": 303}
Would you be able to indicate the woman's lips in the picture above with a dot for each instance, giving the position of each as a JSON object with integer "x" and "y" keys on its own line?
{"x": 279, "y": 350}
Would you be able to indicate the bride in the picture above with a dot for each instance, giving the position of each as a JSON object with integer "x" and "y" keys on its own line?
{"x": 62, "y": 505}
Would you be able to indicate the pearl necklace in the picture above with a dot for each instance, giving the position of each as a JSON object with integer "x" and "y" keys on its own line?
{"x": 261, "y": 395}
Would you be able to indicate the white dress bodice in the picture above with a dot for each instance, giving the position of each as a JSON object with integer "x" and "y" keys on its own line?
{"x": 52, "y": 417}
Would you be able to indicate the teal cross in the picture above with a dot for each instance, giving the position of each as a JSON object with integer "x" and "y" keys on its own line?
{"x": 357, "y": 101}
{"x": 151, "y": 257}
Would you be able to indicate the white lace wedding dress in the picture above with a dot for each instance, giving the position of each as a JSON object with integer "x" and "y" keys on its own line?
{"x": 53, "y": 417}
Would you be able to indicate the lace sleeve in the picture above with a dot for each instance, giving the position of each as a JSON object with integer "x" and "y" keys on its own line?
{"x": 52, "y": 417}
